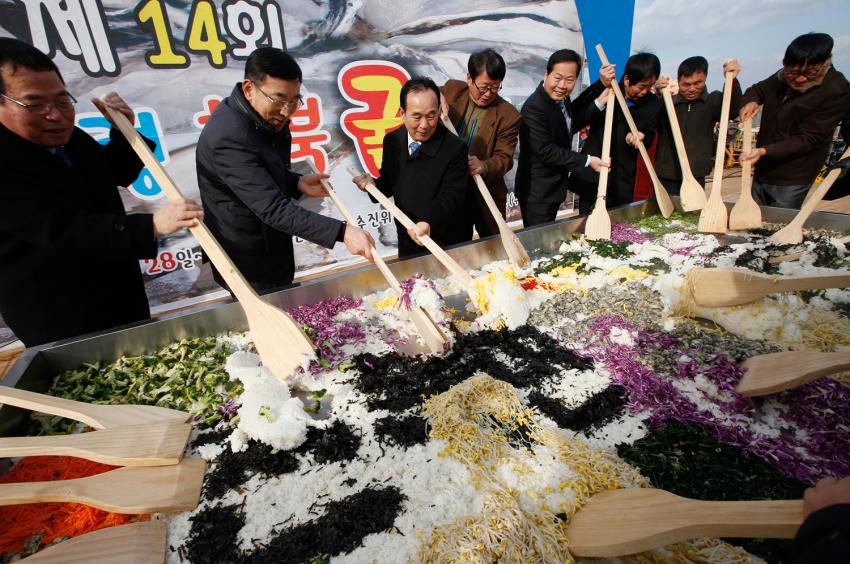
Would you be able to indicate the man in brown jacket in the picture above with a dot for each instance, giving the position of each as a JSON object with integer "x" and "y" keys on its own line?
{"x": 802, "y": 104}
{"x": 489, "y": 125}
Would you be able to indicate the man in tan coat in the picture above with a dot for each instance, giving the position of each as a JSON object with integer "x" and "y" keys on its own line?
{"x": 489, "y": 125}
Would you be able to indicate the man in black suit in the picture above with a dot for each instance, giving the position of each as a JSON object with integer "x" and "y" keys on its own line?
{"x": 247, "y": 188}
{"x": 425, "y": 168}
{"x": 549, "y": 121}
{"x": 69, "y": 254}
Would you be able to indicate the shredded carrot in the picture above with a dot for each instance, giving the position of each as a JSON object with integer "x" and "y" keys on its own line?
{"x": 19, "y": 523}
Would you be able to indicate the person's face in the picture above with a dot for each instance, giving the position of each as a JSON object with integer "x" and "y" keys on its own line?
{"x": 274, "y": 99}
{"x": 638, "y": 89}
{"x": 692, "y": 86}
{"x": 422, "y": 114}
{"x": 28, "y": 86}
{"x": 559, "y": 83}
{"x": 482, "y": 89}
{"x": 803, "y": 77}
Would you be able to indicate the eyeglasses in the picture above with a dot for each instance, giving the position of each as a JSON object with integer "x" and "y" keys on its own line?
{"x": 63, "y": 104}
{"x": 810, "y": 72}
{"x": 290, "y": 105}
{"x": 488, "y": 88}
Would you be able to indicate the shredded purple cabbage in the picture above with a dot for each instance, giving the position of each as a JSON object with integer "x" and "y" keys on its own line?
{"x": 813, "y": 419}
{"x": 622, "y": 232}
{"x": 329, "y": 335}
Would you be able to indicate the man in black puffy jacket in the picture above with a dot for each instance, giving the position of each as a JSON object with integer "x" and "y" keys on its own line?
{"x": 248, "y": 191}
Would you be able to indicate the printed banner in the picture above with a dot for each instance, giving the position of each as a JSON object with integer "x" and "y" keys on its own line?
{"x": 173, "y": 62}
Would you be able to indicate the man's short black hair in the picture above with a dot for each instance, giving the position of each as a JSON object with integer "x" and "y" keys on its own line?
{"x": 641, "y": 66}
{"x": 417, "y": 84}
{"x": 563, "y": 56}
{"x": 16, "y": 53}
{"x": 486, "y": 60}
{"x": 808, "y": 49}
{"x": 693, "y": 65}
{"x": 273, "y": 62}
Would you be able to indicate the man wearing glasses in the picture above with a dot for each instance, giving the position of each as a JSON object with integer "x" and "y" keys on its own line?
{"x": 247, "y": 188}
{"x": 802, "y": 104}
{"x": 69, "y": 254}
{"x": 489, "y": 125}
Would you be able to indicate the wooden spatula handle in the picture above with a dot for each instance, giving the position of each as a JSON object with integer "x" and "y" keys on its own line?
{"x": 51, "y": 405}
{"x": 814, "y": 282}
{"x": 679, "y": 142}
{"x": 462, "y": 276}
{"x": 663, "y": 199}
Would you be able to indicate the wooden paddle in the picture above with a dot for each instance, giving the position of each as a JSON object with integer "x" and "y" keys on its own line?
{"x": 152, "y": 444}
{"x": 661, "y": 195}
{"x": 462, "y": 276}
{"x": 713, "y": 218}
{"x": 281, "y": 343}
{"x": 93, "y": 415}
{"x": 715, "y": 287}
{"x": 793, "y": 232}
{"x": 691, "y": 193}
{"x": 775, "y": 372}
{"x": 628, "y": 521}
{"x": 433, "y": 337}
{"x": 135, "y": 543}
{"x": 516, "y": 252}
{"x": 156, "y": 489}
{"x": 746, "y": 213}
{"x": 598, "y": 225}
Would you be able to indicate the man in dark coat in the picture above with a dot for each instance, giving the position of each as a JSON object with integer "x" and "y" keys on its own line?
{"x": 248, "y": 191}
{"x": 425, "y": 169}
{"x": 697, "y": 111}
{"x": 801, "y": 106}
{"x": 549, "y": 121}
{"x": 639, "y": 76}
{"x": 69, "y": 254}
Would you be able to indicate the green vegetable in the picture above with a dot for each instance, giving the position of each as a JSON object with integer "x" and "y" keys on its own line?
{"x": 657, "y": 226}
{"x": 188, "y": 375}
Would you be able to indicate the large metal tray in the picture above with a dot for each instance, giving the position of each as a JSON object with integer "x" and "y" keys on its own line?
{"x": 37, "y": 367}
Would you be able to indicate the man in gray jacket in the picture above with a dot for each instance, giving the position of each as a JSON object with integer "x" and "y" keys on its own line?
{"x": 697, "y": 111}
{"x": 248, "y": 191}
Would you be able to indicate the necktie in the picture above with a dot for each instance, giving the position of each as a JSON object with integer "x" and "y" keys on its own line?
{"x": 414, "y": 147}
{"x": 563, "y": 106}
{"x": 63, "y": 154}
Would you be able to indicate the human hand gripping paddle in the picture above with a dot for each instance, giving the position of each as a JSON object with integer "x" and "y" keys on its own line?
{"x": 793, "y": 232}
{"x": 281, "y": 343}
{"x": 746, "y": 213}
{"x": 460, "y": 275}
{"x": 632, "y": 520}
{"x": 516, "y": 252}
{"x": 691, "y": 193}
{"x": 434, "y": 338}
{"x": 661, "y": 195}
{"x": 714, "y": 218}
{"x": 598, "y": 224}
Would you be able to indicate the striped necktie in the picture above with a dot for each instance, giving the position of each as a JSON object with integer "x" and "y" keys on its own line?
{"x": 413, "y": 147}
{"x": 563, "y": 106}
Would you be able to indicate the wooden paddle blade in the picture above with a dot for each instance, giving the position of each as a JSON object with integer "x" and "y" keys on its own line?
{"x": 691, "y": 195}
{"x": 714, "y": 287}
{"x": 157, "y": 489}
{"x": 281, "y": 344}
{"x": 93, "y": 415}
{"x": 775, "y": 372}
{"x": 628, "y": 521}
{"x": 714, "y": 217}
{"x": 598, "y": 224}
{"x": 434, "y": 338}
{"x": 793, "y": 232}
{"x": 135, "y": 543}
{"x": 153, "y": 444}
{"x": 746, "y": 213}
